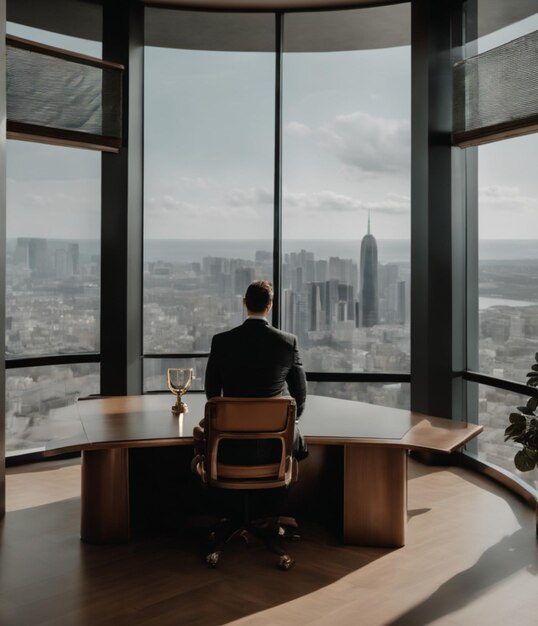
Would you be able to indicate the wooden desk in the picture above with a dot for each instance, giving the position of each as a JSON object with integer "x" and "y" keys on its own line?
{"x": 375, "y": 440}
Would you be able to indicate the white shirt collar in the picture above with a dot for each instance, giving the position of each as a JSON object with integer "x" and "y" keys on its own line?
{"x": 257, "y": 317}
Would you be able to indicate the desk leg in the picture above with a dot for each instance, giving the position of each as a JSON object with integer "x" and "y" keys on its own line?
{"x": 105, "y": 496}
{"x": 375, "y": 496}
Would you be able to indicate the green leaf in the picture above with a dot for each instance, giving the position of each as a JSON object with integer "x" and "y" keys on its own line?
{"x": 524, "y": 461}
{"x": 532, "y": 404}
{"x": 535, "y": 367}
{"x": 525, "y": 410}
{"x": 515, "y": 430}
{"x": 532, "y": 382}
{"x": 517, "y": 418}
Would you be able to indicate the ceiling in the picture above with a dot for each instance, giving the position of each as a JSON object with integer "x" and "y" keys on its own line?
{"x": 242, "y": 28}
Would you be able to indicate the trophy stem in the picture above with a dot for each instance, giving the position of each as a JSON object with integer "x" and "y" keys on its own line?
{"x": 179, "y": 407}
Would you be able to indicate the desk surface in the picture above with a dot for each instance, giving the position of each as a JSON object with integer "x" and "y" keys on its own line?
{"x": 140, "y": 421}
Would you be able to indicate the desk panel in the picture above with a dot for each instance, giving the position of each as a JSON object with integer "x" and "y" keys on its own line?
{"x": 375, "y": 440}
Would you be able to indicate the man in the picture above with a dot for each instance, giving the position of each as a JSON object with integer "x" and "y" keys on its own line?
{"x": 255, "y": 360}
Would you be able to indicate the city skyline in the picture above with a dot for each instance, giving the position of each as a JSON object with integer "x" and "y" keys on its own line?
{"x": 187, "y": 302}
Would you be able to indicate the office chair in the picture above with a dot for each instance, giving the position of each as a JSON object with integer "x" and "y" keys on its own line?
{"x": 252, "y": 420}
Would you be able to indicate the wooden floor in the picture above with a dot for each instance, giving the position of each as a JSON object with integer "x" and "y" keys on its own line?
{"x": 471, "y": 558}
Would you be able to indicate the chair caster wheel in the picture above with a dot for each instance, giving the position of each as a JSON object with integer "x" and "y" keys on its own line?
{"x": 285, "y": 562}
{"x": 211, "y": 560}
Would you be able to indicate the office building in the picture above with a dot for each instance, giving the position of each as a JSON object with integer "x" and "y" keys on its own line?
{"x": 369, "y": 295}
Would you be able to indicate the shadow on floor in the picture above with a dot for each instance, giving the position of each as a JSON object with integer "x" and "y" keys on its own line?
{"x": 47, "y": 576}
{"x": 508, "y": 556}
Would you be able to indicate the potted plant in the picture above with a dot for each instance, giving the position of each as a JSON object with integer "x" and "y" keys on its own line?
{"x": 523, "y": 427}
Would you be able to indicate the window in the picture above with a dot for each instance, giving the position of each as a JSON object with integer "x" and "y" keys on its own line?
{"x": 52, "y": 269}
{"x": 209, "y": 153}
{"x": 40, "y": 403}
{"x": 155, "y": 371}
{"x": 508, "y": 257}
{"x": 495, "y": 405}
{"x": 395, "y": 395}
{"x": 346, "y": 188}
{"x": 53, "y": 250}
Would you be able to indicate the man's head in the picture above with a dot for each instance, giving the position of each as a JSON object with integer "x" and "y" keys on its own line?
{"x": 259, "y": 297}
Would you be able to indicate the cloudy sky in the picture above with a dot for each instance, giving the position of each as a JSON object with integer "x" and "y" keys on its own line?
{"x": 209, "y": 152}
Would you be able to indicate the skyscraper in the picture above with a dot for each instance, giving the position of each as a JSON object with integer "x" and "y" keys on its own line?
{"x": 368, "y": 298}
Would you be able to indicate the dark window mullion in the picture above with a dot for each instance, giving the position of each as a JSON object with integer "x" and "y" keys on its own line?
{"x": 277, "y": 194}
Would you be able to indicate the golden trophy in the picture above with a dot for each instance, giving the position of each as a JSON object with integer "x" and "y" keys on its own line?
{"x": 179, "y": 382}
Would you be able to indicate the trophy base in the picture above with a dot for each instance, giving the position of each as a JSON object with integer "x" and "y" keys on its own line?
{"x": 180, "y": 408}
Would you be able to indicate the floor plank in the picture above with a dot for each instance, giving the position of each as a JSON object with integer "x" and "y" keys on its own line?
{"x": 471, "y": 558}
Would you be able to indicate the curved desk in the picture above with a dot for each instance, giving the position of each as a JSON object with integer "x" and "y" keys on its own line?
{"x": 375, "y": 442}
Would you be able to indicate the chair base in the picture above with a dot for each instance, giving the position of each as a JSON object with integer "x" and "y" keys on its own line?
{"x": 271, "y": 531}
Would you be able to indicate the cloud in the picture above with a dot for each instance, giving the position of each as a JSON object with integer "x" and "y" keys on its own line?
{"x": 165, "y": 205}
{"x": 321, "y": 201}
{"x": 52, "y": 208}
{"x": 370, "y": 144}
{"x": 364, "y": 142}
{"x": 237, "y": 205}
{"x": 331, "y": 202}
{"x": 501, "y": 197}
{"x": 249, "y": 197}
{"x": 298, "y": 129}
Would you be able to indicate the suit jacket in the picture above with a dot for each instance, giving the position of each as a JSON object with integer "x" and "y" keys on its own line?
{"x": 255, "y": 360}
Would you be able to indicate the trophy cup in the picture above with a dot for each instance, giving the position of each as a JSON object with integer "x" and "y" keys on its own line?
{"x": 179, "y": 381}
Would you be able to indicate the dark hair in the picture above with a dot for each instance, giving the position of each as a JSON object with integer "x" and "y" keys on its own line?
{"x": 259, "y": 296}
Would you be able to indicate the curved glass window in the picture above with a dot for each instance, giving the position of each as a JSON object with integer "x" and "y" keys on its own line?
{"x": 508, "y": 257}
{"x": 40, "y": 403}
{"x": 500, "y": 27}
{"x": 209, "y": 153}
{"x": 53, "y": 253}
{"x": 53, "y": 250}
{"x": 155, "y": 371}
{"x": 395, "y": 395}
{"x": 57, "y": 40}
{"x": 346, "y": 193}
{"x": 495, "y": 406}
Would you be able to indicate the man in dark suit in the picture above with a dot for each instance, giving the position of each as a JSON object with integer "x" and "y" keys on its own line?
{"x": 255, "y": 360}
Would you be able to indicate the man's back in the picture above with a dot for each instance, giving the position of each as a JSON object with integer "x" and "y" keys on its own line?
{"x": 255, "y": 360}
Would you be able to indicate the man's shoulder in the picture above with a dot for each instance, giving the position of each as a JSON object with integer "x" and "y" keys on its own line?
{"x": 227, "y": 335}
{"x": 233, "y": 333}
{"x": 219, "y": 339}
{"x": 283, "y": 335}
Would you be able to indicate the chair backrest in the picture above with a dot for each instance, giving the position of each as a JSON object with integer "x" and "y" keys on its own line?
{"x": 242, "y": 419}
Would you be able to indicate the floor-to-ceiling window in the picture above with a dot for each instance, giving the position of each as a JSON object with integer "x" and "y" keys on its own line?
{"x": 210, "y": 94}
{"x": 214, "y": 96}
{"x": 346, "y": 196}
{"x": 209, "y": 155}
{"x": 505, "y": 339}
{"x": 52, "y": 278}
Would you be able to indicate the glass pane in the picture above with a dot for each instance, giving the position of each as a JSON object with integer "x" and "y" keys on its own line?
{"x": 40, "y": 403}
{"x": 497, "y": 27}
{"x": 209, "y": 133}
{"x": 57, "y": 40}
{"x": 395, "y": 395}
{"x": 508, "y": 257}
{"x": 53, "y": 250}
{"x": 495, "y": 406}
{"x": 346, "y": 200}
{"x": 155, "y": 371}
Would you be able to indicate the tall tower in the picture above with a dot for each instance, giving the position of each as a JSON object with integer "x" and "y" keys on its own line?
{"x": 368, "y": 297}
